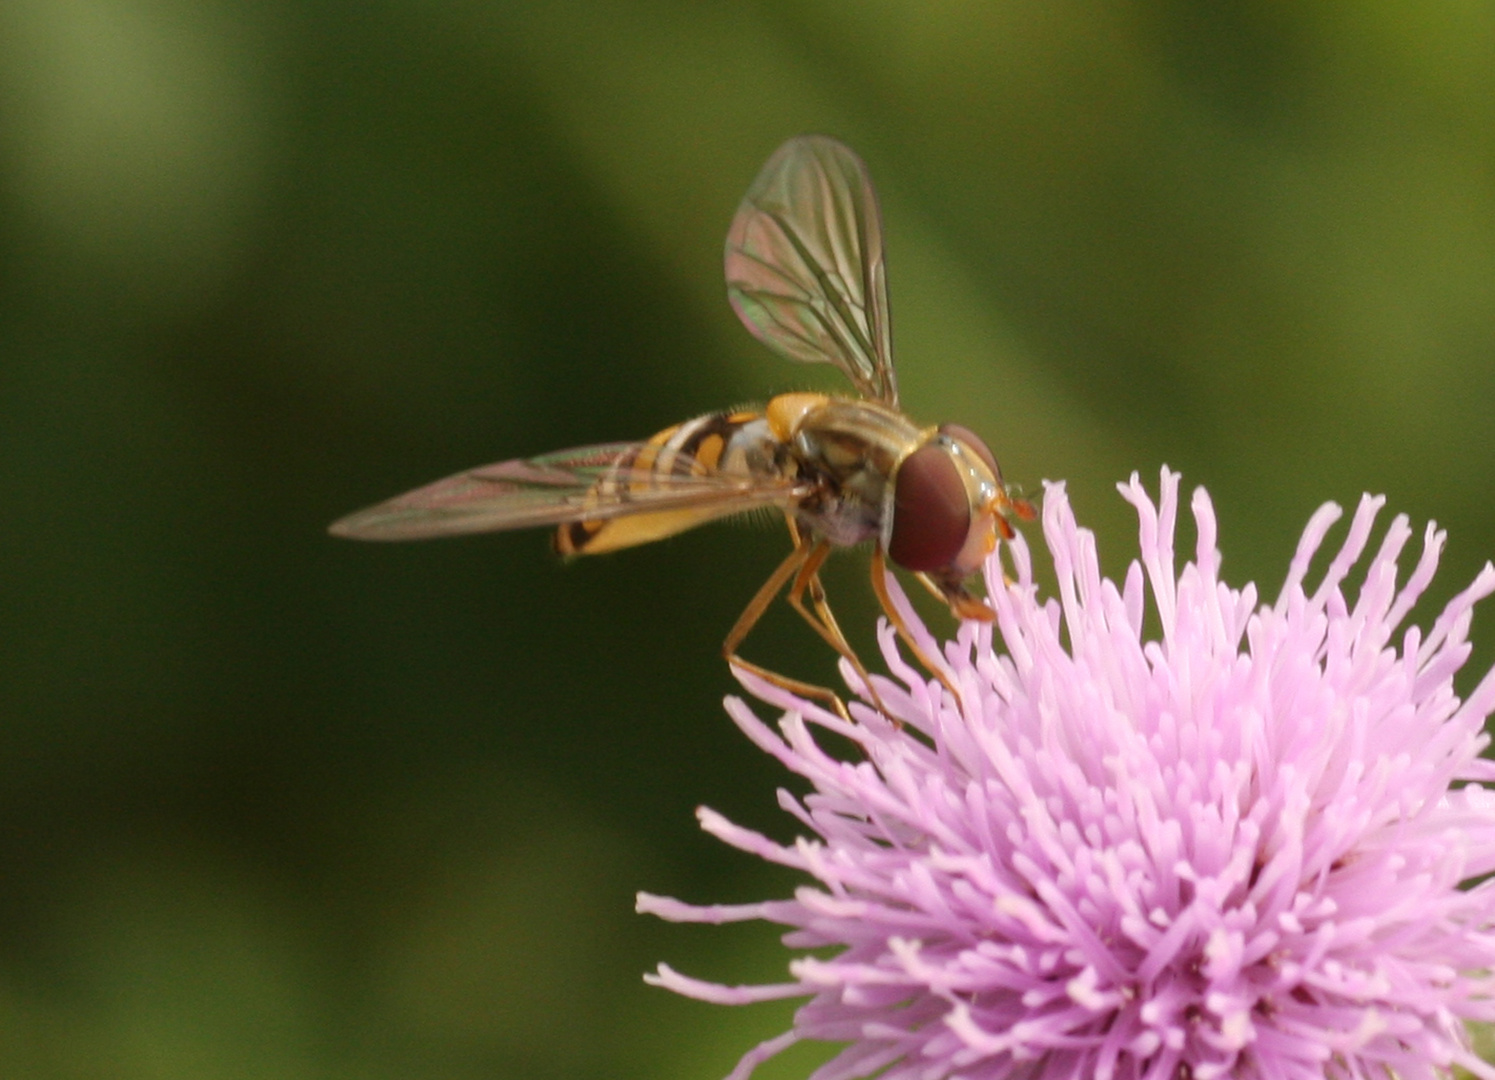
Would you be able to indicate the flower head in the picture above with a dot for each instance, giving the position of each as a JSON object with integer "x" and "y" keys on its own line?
{"x": 1247, "y": 848}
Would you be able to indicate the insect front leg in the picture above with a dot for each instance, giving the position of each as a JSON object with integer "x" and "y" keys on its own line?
{"x": 880, "y": 587}
{"x": 961, "y": 603}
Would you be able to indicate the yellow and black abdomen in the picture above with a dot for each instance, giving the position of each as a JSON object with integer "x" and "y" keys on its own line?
{"x": 736, "y": 443}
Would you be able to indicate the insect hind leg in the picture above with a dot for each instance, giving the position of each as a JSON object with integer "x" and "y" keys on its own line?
{"x": 790, "y": 569}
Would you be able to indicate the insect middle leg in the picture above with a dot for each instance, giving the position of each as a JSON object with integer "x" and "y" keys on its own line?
{"x": 807, "y": 580}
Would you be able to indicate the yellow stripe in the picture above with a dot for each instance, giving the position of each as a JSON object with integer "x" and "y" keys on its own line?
{"x": 622, "y": 532}
{"x": 709, "y": 454}
{"x": 681, "y": 436}
{"x": 657, "y": 457}
{"x": 647, "y": 459}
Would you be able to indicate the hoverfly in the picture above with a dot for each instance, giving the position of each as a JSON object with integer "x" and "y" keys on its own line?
{"x": 804, "y": 266}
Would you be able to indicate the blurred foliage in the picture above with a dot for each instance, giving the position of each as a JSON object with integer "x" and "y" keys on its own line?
{"x": 279, "y": 807}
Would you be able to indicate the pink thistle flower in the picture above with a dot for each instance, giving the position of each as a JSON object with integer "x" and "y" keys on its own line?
{"x": 1249, "y": 848}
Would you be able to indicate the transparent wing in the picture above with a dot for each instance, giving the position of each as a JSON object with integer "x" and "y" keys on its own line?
{"x": 805, "y": 263}
{"x": 588, "y": 483}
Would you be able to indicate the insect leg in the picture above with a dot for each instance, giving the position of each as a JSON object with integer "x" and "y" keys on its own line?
{"x": 754, "y": 611}
{"x": 961, "y": 604}
{"x": 880, "y": 587}
{"x": 822, "y": 618}
{"x": 934, "y": 590}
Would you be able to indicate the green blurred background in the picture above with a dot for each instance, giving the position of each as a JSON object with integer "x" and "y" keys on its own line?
{"x": 277, "y": 806}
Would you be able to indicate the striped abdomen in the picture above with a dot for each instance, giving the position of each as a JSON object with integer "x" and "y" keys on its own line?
{"x": 722, "y": 443}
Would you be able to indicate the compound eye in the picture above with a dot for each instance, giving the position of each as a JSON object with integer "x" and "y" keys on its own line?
{"x": 974, "y": 443}
{"x": 931, "y": 511}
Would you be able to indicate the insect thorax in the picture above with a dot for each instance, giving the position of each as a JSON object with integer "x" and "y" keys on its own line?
{"x": 850, "y": 451}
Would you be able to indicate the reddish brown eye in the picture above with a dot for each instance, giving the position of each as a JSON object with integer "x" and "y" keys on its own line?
{"x": 973, "y": 442}
{"x": 931, "y": 511}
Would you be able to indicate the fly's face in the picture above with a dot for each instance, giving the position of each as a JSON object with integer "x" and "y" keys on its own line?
{"x": 947, "y": 508}
{"x": 933, "y": 499}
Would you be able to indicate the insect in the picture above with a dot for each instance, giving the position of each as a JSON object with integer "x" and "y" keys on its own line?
{"x": 805, "y": 273}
